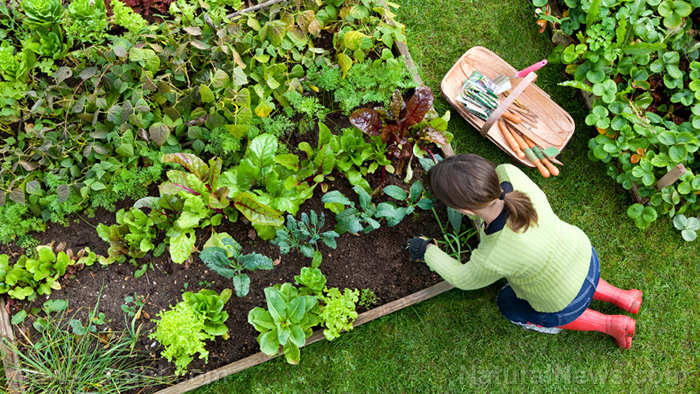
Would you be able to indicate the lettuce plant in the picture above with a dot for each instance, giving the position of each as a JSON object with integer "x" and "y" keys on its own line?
{"x": 338, "y": 311}
{"x": 29, "y": 277}
{"x": 183, "y": 329}
{"x": 133, "y": 235}
{"x": 44, "y": 13}
{"x": 50, "y": 43}
{"x": 286, "y": 323}
{"x": 181, "y": 332}
{"x": 126, "y": 17}
{"x": 210, "y": 306}
{"x": 222, "y": 254}
{"x": 88, "y": 21}
{"x": 311, "y": 280}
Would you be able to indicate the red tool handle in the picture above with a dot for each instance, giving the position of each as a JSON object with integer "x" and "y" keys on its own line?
{"x": 530, "y": 69}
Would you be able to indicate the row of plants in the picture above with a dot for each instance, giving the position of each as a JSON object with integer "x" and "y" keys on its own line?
{"x": 85, "y": 128}
{"x": 640, "y": 59}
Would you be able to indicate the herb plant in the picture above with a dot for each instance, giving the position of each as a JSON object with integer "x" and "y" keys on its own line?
{"x": 61, "y": 361}
{"x": 222, "y": 254}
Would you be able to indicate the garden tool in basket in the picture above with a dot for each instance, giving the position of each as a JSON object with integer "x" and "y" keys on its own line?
{"x": 503, "y": 81}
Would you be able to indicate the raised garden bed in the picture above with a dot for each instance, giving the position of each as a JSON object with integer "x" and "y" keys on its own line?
{"x": 376, "y": 262}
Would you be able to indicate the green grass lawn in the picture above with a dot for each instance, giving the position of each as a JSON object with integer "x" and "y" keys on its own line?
{"x": 458, "y": 342}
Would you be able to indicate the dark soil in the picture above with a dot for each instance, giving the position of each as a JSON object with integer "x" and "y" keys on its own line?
{"x": 376, "y": 261}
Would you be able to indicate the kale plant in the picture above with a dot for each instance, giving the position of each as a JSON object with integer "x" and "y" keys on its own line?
{"x": 394, "y": 214}
{"x": 222, "y": 254}
{"x": 304, "y": 235}
{"x": 348, "y": 218}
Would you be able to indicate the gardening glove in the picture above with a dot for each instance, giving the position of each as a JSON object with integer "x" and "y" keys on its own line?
{"x": 417, "y": 246}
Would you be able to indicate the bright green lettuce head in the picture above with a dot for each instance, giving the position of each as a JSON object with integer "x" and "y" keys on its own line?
{"x": 8, "y": 62}
{"x": 42, "y": 12}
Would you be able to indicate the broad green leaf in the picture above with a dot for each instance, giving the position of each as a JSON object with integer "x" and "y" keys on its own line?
{"x": 345, "y": 63}
{"x": 241, "y": 283}
{"x": 181, "y": 246}
{"x": 256, "y": 212}
{"x": 206, "y": 94}
{"x": 396, "y": 192}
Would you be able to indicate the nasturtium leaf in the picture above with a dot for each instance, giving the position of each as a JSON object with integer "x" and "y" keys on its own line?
{"x": 635, "y": 210}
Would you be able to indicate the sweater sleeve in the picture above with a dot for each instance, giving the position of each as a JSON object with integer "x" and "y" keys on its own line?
{"x": 469, "y": 276}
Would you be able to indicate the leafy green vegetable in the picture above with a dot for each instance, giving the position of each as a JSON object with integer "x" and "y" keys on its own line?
{"x": 286, "y": 323}
{"x": 304, "y": 235}
{"x": 182, "y": 332}
{"x": 44, "y": 13}
{"x": 338, "y": 311}
{"x": 222, "y": 254}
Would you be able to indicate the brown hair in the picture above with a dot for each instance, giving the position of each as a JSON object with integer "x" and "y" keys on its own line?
{"x": 470, "y": 182}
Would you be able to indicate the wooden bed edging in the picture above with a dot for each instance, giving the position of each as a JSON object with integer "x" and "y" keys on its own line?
{"x": 260, "y": 358}
{"x": 9, "y": 358}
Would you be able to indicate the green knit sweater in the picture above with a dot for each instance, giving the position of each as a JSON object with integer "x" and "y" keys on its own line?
{"x": 546, "y": 265}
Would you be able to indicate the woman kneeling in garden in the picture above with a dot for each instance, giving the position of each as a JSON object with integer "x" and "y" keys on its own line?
{"x": 552, "y": 270}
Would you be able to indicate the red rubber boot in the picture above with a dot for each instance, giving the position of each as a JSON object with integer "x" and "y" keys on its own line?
{"x": 629, "y": 300}
{"x": 619, "y": 327}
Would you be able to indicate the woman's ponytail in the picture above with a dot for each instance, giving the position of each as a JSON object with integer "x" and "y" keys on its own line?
{"x": 521, "y": 211}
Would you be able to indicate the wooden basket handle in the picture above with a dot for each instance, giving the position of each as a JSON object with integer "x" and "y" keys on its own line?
{"x": 506, "y": 103}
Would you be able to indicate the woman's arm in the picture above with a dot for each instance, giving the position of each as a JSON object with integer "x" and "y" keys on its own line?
{"x": 469, "y": 276}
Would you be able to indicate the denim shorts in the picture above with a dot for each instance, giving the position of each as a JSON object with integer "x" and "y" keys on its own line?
{"x": 519, "y": 311}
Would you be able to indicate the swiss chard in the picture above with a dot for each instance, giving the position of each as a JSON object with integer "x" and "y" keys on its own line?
{"x": 403, "y": 126}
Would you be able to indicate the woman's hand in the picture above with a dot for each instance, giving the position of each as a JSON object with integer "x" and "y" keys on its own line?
{"x": 417, "y": 247}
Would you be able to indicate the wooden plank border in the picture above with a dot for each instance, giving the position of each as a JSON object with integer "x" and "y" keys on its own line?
{"x": 260, "y": 358}
{"x": 9, "y": 360}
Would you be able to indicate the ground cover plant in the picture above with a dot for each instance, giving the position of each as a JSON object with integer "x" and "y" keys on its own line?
{"x": 640, "y": 60}
{"x": 192, "y": 128}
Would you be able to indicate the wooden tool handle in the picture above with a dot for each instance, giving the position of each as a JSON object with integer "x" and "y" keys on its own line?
{"x": 552, "y": 169}
{"x": 530, "y": 154}
{"x": 511, "y": 141}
